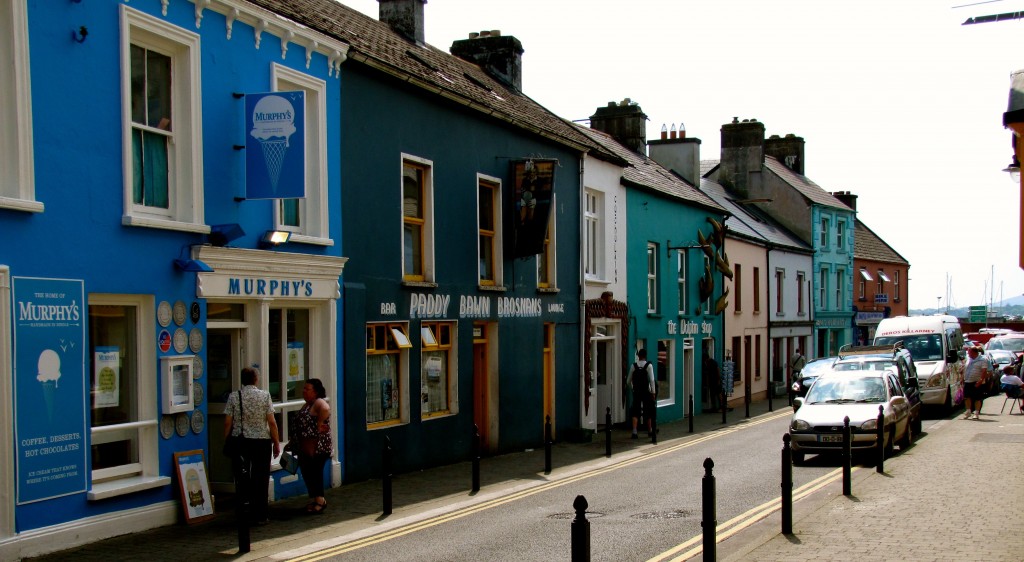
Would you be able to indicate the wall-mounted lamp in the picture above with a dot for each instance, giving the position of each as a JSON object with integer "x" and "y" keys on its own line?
{"x": 79, "y": 36}
{"x": 195, "y": 266}
{"x": 272, "y": 238}
{"x": 1013, "y": 169}
{"x": 222, "y": 234}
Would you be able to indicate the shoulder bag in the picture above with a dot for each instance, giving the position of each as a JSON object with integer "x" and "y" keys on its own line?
{"x": 233, "y": 443}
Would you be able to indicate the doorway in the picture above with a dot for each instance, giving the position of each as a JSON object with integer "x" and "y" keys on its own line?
{"x": 482, "y": 386}
{"x": 605, "y": 362}
{"x": 224, "y": 359}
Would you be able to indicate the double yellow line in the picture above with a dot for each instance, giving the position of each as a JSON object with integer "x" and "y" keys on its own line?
{"x": 725, "y": 530}
{"x": 464, "y": 512}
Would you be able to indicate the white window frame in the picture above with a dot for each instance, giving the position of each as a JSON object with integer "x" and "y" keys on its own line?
{"x": 839, "y": 288}
{"x": 497, "y": 255}
{"x": 314, "y": 219}
{"x": 593, "y": 260}
{"x": 681, "y": 280}
{"x": 185, "y": 154}
{"x": 823, "y": 238}
{"x": 17, "y": 170}
{"x": 119, "y": 480}
{"x": 840, "y": 227}
{"x": 823, "y": 289}
{"x": 652, "y": 278}
{"x": 549, "y": 254}
{"x": 896, "y": 285}
{"x": 428, "y": 218}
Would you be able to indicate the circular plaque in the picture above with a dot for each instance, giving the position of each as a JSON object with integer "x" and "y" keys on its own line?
{"x": 180, "y": 340}
{"x": 198, "y": 421}
{"x": 182, "y": 424}
{"x": 163, "y": 313}
{"x": 167, "y": 427}
{"x": 179, "y": 313}
{"x": 193, "y": 312}
{"x": 197, "y": 367}
{"x": 195, "y": 340}
{"x": 197, "y": 394}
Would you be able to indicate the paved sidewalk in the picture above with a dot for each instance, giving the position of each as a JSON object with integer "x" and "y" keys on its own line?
{"x": 956, "y": 495}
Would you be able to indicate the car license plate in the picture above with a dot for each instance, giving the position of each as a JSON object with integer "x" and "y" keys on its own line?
{"x": 830, "y": 438}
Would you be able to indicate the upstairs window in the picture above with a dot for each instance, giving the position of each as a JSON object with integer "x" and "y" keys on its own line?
{"x": 737, "y": 286}
{"x": 757, "y": 289}
{"x": 896, "y": 285}
{"x": 488, "y": 225}
{"x": 162, "y": 134}
{"x": 823, "y": 238}
{"x": 823, "y": 289}
{"x": 417, "y": 224}
{"x": 307, "y": 219}
{"x": 840, "y": 231}
{"x": 839, "y": 289}
{"x": 681, "y": 279}
{"x": 801, "y": 281}
{"x": 546, "y": 278}
{"x": 593, "y": 248}
{"x": 652, "y": 278}
{"x": 17, "y": 175}
{"x": 780, "y": 279}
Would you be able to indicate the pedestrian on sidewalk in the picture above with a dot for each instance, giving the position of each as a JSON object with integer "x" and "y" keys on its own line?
{"x": 975, "y": 382}
{"x": 313, "y": 443}
{"x": 711, "y": 376}
{"x": 642, "y": 382}
{"x": 258, "y": 430}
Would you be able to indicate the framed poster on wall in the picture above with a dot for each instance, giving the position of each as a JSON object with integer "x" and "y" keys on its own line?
{"x": 193, "y": 485}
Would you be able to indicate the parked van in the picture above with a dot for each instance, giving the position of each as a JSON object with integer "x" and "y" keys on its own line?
{"x": 936, "y": 343}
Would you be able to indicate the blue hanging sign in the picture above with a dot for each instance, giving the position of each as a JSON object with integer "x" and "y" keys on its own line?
{"x": 50, "y": 392}
{"x": 275, "y": 147}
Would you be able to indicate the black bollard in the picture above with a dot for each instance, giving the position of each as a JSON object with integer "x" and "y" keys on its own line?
{"x": 847, "y": 456}
{"x": 881, "y": 439}
{"x": 709, "y": 521}
{"x": 608, "y": 432}
{"x": 547, "y": 446}
{"x": 691, "y": 413}
{"x": 244, "y": 512}
{"x": 386, "y": 469}
{"x": 579, "y": 530}
{"x": 476, "y": 458}
{"x": 787, "y": 485}
{"x": 746, "y": 400}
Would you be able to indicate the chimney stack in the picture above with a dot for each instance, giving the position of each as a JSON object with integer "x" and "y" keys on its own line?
{"x": 500, "y": 56}
{"x": 404, "y": 17}
{"x": 678, "y": 153}
{"x": 848, "y": 199}
{"x": 789, "y": 151}
{"x": 625, "y": 122}
{"x": 742, "y": 156}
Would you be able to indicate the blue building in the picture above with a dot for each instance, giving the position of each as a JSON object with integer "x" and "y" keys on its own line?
{"x": 138, "y": 275}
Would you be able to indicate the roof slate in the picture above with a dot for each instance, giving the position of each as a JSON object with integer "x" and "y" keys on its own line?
{"x": 869, "y": 246}
{"x": 645, "y": 172}
{"x": 812, "y": 191}
{"x": 749, "y": 222}
{"x": 375, "y": 44}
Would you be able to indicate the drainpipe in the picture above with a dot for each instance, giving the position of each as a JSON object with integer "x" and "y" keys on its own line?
{"x": 583, "y": 291}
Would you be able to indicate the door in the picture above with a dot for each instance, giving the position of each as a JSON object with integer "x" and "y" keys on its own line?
{"x": 549, "y": 376}
{"x": 605, "y": 363}
{"x": 224, "y": 360}
{"x": 481, "y": 386}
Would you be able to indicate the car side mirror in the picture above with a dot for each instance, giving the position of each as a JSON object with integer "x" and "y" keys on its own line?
{"x": 797, "y": 402}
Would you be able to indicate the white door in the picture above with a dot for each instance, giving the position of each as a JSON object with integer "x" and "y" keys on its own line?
{"x": 605, "y": 362}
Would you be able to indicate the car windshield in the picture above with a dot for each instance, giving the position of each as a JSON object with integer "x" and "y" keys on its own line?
{"x": 1011, "y": 344}
{"x": 839, "y": 390}
{"x": 817, "y": 367}
{"x": 922, "y": 347}
{"x": 870, "y": 365}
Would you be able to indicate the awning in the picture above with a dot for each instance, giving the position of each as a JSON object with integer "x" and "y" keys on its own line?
{"x": 865, "y": 275}
{"x": 883, "y": 276}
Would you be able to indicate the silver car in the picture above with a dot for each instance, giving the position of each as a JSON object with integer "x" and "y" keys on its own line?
{"x": 817, "y": 423}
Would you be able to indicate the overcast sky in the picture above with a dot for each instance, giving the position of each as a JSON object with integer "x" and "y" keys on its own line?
{"x": 897, "y": 102}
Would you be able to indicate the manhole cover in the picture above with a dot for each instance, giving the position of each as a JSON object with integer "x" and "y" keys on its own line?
{"x": 572, "y": 515}
{"x": 671, "y": 514}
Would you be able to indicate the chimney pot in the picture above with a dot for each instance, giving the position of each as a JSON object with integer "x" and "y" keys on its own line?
{"x": 672, "y": 132}
{"x": 473, "y": 35}
{"x": 664, "y": 131}
{"x": 682, "y": 130}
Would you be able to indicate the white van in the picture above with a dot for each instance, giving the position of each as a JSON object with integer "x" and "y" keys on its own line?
{"x": 936, "y": 343}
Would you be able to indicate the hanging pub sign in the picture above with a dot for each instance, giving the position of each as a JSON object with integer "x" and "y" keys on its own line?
{"x": 534, "y": 182}
{"x": 275, "y": 148}
{"x": 50, "y": 392}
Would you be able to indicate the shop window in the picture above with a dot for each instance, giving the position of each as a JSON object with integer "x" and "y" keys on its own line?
{"x": 288, "y": 347}
{"x": 439, "y": 368}
{"x": 307, "y": 218}
{"x": 387, "y": 360}
{"x": 417, "y": 220}
{"x": 123, "y": 418}
{"x": 17, "y": 178}
{"x": 162, "y": 133}
{"x": 663, "y": 373}
{"x": 593, "y": 225}
{"x": 489, "y": 228}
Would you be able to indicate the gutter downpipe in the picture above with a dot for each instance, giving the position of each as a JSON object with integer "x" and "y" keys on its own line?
{"x": 583, "y": 295}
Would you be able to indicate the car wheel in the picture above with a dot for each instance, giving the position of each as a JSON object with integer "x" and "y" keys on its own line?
{"x": 908, "y": 437}
{"x": 799, "y": 458}
{"x": 916, "y": 424}
{"x": 947, "y": 407}
{"x": 890, "y": 442}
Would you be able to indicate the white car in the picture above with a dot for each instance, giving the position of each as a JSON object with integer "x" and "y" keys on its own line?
{"x": 817, "y": 423}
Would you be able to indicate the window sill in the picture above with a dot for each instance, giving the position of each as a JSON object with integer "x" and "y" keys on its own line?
{"x": 436, "y": 415}
{"x": 165, "y": 224}
{"x": 654, "y": 315}
{"x": 492, "y": 288}
{"x": 21, "y": 205}
{"x": 596, "y": 281}
{"x": 312, "y": 240}
{"x": 123, "y": 486}
{"x": 548, "y": 290}
{"x": 419, "y": 284}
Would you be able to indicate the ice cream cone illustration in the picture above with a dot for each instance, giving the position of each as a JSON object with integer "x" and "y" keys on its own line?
{"x": 273, "y": 121}
{"x": 49, "y": 374}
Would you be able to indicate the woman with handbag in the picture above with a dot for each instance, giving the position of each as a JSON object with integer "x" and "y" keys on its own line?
{"x": 313, "y": 442}
{"x": 249, "y": 417}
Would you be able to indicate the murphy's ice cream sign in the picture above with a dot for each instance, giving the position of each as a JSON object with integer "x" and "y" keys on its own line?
{"x": 275, "y": 147}
{"x": 50, "y": 389}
